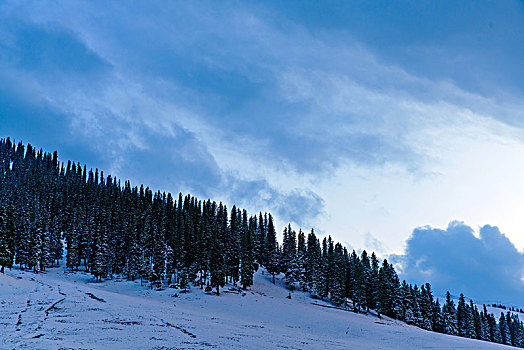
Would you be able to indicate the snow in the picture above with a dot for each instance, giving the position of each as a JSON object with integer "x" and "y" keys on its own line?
{"x": 63, "y": 310}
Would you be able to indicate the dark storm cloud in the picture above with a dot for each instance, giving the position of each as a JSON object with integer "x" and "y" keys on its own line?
{"x": 488, "y": 267}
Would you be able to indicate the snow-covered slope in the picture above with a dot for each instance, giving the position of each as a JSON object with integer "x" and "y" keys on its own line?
{"x": 63, "y": 310}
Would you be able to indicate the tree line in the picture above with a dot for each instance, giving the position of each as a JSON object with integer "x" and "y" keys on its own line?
{"x": 110, "y": 228}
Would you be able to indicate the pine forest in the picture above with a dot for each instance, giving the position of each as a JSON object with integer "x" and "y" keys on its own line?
{"x": 50, "y": 209}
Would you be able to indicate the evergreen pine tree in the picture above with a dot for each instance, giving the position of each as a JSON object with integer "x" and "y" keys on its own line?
{"x": 358, "y": 293}
{"x": 484, "y": 326}
{"x": 374, "y": 281}
{"x": 272, "y": 254}
{"x": 465, "y": 321}
{"x": 437, "y": 320}
{"x": 415, "y": 306}
{"x": 313, "y": 254}
{"x": 134, "y": 261}
{"x": 262, "y": 238}
{"x": 7, "y": 238}
{"x": 302, "y": 260}
{"x": 99, "y": 262}
{"x": 290, "y": 260}
{"x": 366, "y": 281}
{"x": 505, "y": 335}
{"x": 426, "y": 306}
{"x": 247, "y": 251}
{"x": 216, "y": 261}
{"x": 476, "y": 320}
{"x": 233, "y": 245}
{"x": 449, "y": 315}
{"x": 320, "y": 280}
{"x": 338, "y": 291}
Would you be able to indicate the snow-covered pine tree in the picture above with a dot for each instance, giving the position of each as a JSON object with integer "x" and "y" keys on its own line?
{"x": 338, "y": 292}
{"x": 134, "y": 263}
{"x": 312, "y": 259}
{"x": 217, "y": 265}
{"x": 476, "y": 319}
{"x": 290, "y": 263}
{"x": 7, "y": 238}
{"x": 272, "y": 257}
{"x": 388, "y": 293}
{"x": 513, "y": 324}
{"x": 301, "y": 260}
{"x": 44, "y": 253}
{"x": 261, "y": 237}
{"x": 56, "y": 240}
{"x": 505, "y": 335}
{"x": 247, "y": 251}
{"x": 449, "y": 315}
{"x": 484, "y": 326}
{"x": 146, "y": 271}
{"x": 408, "y": 307}
{"x": 373, "y": 281}
{"x": 170, "y": 267}
{"x": 415, "y": 306}
{"x": 202, "y": 240}
{"x": 426, "y": 306}
{"x": 159, "y": 240}
{"x": 327, "y": 256}
{"x": 465, "y": 321}
{"x": 216, "y": 260}
{"x": 470, "y": 323}
{"x": 233, "y": 245}
{"x": 394, "y": 283}
{"x": 320, "y": 280}
{"x": 437, "y": 319}
{"x": 358, "y": 296}
{"x": 72, "y": 255}
{"x": 284, "y": 259}
{"x": 330, "y": 265}
{"x": 494, "y": 328}
{"x": 366, "y": 280}
{"x": 517, "y": 331}
{"x": 99, "y": 261}
{"x": 24, "y": 240}
{"x": 293, "y": 273}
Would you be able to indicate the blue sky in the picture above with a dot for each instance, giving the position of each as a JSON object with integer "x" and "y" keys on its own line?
{"x": 362, "y": 119}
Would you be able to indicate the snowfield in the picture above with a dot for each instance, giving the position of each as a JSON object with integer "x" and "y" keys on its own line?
{"x": 65, "y": 310}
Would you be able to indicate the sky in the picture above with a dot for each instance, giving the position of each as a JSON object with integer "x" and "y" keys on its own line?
{"x": 396, "y": 126}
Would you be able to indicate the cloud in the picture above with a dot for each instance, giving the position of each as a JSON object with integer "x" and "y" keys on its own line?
{"x": 371, "y": 243}
{"x": 486, "y": 268}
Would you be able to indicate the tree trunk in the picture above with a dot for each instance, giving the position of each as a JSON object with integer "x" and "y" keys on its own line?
{"x": 273, "y": 278}
{"x": 2, "y": 269}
